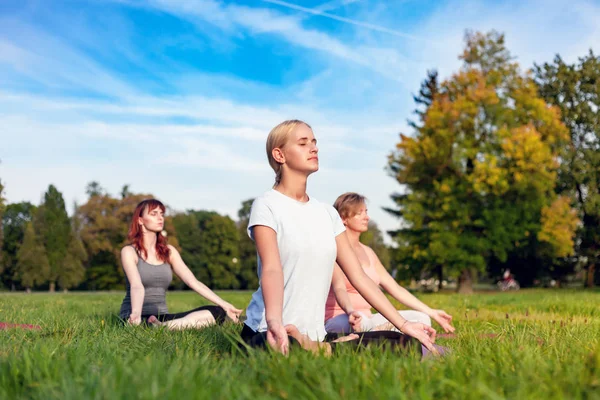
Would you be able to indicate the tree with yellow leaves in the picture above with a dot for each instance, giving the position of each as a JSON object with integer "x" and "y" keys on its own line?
{"x": 480, "y": 168}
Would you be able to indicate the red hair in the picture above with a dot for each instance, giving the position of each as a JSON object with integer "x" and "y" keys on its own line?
{"x": 136, "y": 235}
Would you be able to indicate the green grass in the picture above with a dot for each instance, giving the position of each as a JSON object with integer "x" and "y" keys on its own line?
{"x": 548, "y": 347}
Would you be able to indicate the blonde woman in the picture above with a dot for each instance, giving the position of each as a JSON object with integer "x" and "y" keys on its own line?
{"x": 298, "y": 239}
{"x": 344, "y": 301}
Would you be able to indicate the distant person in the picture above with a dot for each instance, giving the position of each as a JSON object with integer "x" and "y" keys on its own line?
{"x": 149, "y": 263}
{"x": 348, "y": 311}
{"x": 298, "y": 239}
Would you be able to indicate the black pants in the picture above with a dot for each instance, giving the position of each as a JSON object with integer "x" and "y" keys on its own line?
{"x": 388, "y": 340}
{"x": 217, "y": 312}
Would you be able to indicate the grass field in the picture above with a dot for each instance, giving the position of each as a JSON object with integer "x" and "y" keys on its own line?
{"x": 547, "y": 347}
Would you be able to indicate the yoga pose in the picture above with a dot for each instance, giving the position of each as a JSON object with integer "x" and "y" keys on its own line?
{"x": 346, "y": 309}
{"x": 298, "y": 240}
{"x": 149, "y": 263}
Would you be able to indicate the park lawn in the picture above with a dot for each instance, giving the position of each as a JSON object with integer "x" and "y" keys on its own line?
{"x": 547, "y": 347}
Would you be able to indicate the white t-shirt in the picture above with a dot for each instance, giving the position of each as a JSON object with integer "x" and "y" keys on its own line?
{"x": 306, "y": 239}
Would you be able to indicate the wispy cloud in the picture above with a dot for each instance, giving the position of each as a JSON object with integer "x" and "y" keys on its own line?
{"x": 263, "y": 21}
{"x": 361, "y": 24}
{"x": 42, "y": 57}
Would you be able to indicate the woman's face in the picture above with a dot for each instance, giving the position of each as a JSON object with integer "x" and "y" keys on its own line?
{"x": 153, "y": 220}
{"x": 359, "y": 222}
{"x": 301, "y": 152}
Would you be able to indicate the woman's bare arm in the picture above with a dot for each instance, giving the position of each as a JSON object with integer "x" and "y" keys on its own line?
{"x": 408, "y": 299}
{"x": 271, "y": 282}
{"x": 349, "y": 263}
{"x": 188, "y": 277}
{"x": 129, "y": 260}
{"x": 339, "y": 290}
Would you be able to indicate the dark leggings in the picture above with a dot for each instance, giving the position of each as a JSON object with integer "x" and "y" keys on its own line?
{"x": 217, "y": 312}
{"x": 388, "y": 340}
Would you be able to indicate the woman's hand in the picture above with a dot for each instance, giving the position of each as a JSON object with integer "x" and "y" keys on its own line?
{"x": 444, "y": 319}
{"x": 232, "y": 312}
{"x": 134, "y": 320}
{"x": 355, "y": 321}
{"x": 277, "y": 337}
{"x": 423, "y": 333}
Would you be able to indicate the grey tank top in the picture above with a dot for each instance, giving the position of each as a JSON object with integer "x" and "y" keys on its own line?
{"x": 156, "y": 280}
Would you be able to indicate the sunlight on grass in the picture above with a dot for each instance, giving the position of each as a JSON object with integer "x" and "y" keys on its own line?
{"x": 545, "y": 344}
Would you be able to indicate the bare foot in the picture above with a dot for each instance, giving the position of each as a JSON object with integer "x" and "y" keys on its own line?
{"x": 352, "y": 336}
{"x": 152, "y": 320}
{"x": 306, "y": 343}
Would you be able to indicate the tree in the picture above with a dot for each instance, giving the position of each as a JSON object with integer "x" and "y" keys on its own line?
{"x": 575, "y": 90}
{"x": 101, "y": 232}
{"x": 94, "y": 189}
{"x": 33, "y": 267}
{"x": 427, "y": 92}
{"x": 248, "y": 275}
{"x": 190, "y": 240}
{"x": 2, "y": 209}
{"x": 53, "y": 226}
{"x": 410, "y": 235}
{"x": 73, "y": 265}
{"x": 125, "y": 192}
{"x": 480, "y": 170}
{"x": 15, "y": 219}
{"x": 219, "y": 250}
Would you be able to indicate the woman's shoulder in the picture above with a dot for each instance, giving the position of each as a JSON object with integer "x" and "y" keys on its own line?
{"x": 128, "y": 250}
{"x": 367, "y": 249}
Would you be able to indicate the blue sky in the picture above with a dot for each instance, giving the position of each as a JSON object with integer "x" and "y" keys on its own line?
{"x": 176, "y": 98}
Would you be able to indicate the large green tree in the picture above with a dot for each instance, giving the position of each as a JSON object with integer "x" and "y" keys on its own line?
{"x": 190, "y": 240}
{"x": 33, "y": 267}
{"x": 52, "y": 224}
{"x": 575, "y": 89}
{"x": 15, "y": 219}
{"x": 219, "y": 250}
{"x": 480, "y": 170}
{"x": 73, "y": 265}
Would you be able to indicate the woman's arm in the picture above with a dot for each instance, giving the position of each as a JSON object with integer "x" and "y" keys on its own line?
{"x": 136, "y": 288}
{"x": 408, "y": 299}
{"x": 338, "y": 286}
{"x": 271, "y": 283}
{"x": 188, "y": 277}
{"x": 339, "y": 290}
{"x": 371, "y": 292}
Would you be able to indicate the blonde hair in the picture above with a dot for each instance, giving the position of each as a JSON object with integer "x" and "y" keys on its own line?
{"x": 278, "y": 137}
{"x": 347, "y": 204}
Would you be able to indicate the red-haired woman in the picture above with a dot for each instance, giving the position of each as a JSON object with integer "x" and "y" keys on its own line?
{"x": 149, "y": 263}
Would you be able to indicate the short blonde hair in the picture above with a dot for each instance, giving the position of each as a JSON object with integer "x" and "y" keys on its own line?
{"x": 348, "y": 203}
{"x": 277, "y": 138}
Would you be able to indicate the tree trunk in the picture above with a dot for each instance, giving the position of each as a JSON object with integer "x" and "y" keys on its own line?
{"x": 52, "y": 288}
{"x": 465, "y": 282}
{"x": 440, "y": 271}
{"x": 591, "y": 271}
{"x": 28, "y": 290}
